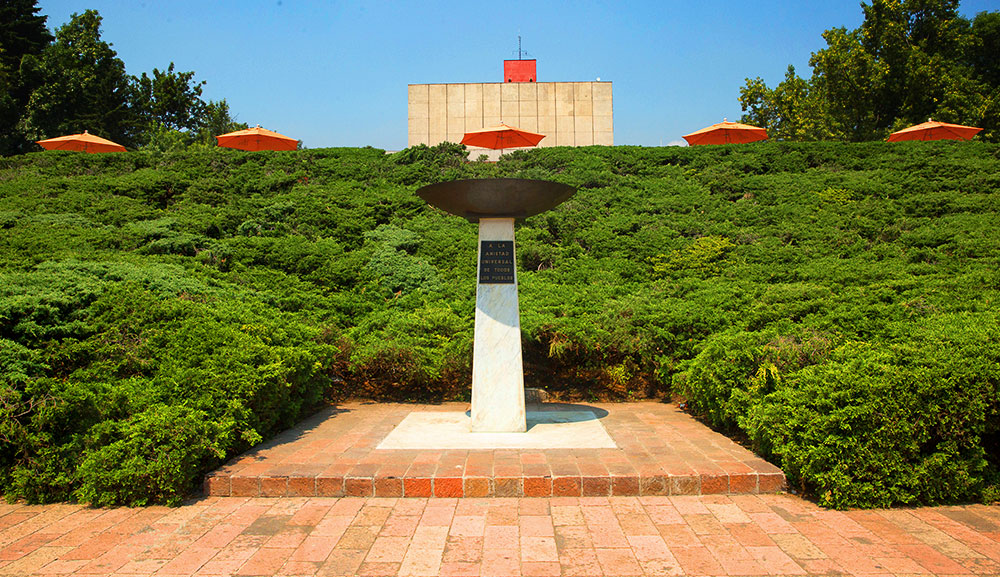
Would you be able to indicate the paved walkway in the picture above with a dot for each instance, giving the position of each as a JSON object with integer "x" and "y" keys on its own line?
{"x": 660, "y": 451}
{"x": 748, "y": 535}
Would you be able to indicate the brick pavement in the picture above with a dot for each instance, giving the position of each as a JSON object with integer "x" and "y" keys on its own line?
{"x": 749, "y": 535}
{"x": 661, "y": 451}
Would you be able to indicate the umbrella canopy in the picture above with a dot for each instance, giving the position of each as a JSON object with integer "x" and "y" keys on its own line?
{"x": 501, "y": 136}
{"x": 85, "y": 142}
{"x": 257, "y": 138}
{"x": 726, "y": 133}
{"x": 933, "y": 130}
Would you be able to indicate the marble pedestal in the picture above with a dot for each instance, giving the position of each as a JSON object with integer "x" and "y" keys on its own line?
{"x": 497, "y": 372}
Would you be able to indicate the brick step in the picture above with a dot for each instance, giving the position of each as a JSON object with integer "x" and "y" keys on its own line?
{"x": 222, "y": 485}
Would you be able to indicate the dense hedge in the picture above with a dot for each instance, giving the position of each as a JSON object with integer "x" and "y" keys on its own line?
{"x": 833, "y": 304}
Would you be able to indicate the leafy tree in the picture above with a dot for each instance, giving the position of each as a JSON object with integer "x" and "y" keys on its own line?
{"x": 759, "y": 105}
{"x": 790, "y": 111}
{"x": 984, "y": 46}
{"x": 212, "y": 120}
{"x": 855, "y": 84}
{"x": 22, "y": 33}
{"x": 216, "y": 119}
{"x": 982, "y": 50}
{"x": 935, "y": 26}
{"x": 83, "y": 86}
{"x": 174, "y": 115}
{"x": 172, "y": 99}
{"x": 908, "y": 61}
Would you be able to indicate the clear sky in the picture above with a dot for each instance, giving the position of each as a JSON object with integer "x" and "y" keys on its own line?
{"x": 335, "y": 73}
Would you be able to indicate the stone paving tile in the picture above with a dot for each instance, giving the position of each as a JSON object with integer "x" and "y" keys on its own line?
{"x": 712, "y": 535}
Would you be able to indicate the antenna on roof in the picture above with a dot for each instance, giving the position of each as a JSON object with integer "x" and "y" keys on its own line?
{"x": 520, "y": 53}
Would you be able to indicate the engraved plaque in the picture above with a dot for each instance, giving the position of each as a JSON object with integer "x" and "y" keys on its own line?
{"x": 496, "y": 262}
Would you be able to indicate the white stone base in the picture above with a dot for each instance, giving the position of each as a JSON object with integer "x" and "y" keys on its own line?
{"x": 545, "y": 430}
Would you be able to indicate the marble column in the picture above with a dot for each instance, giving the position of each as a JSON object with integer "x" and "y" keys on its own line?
{"x": 497, "y": 372}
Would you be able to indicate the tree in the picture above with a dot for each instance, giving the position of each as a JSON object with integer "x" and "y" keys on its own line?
{"x": 854, "y": 84}
{"x": 936, "y": 27}
{"x": 78, "y": 83}
{"x": 175, "y": 114}
{"x": 170, "y": 98}
{"x": 170, "y": 107}
{"x": 884, "y": 42}
{"x": 908, "y": 61}
{"x": 982, "y": 50}
{"x": 22, "y": 33}
{"x": 984, "y": 46}
{"x": 215, "y": 120}
{"x": 790, "y": 111}
{"x": 83, "y": 86}
{"x": 940, "y": 88}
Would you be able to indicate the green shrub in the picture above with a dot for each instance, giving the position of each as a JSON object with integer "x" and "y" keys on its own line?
{"x": 830, "y": 303}
{"x": 155, "y": 456}
{"x": 868, "y": 425}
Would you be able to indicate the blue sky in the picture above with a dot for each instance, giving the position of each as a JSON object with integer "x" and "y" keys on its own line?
{"x": 335, "y": 73}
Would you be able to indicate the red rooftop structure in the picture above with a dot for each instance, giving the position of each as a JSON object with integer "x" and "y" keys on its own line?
{"x": 519, "y": 71}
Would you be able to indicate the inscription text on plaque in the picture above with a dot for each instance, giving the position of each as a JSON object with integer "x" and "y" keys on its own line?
{"x": 496, "y": 262}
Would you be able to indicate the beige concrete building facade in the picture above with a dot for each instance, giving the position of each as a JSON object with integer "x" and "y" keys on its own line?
{"x": 567, "y": 113}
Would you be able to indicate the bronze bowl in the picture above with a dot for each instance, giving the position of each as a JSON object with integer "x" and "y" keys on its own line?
{"x": 496, "y": 197}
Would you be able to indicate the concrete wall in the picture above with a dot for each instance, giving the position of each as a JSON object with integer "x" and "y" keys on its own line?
{"x": 567, "y": 113}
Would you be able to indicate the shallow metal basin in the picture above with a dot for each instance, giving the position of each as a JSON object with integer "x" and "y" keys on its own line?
{"x": 496, "y": 197}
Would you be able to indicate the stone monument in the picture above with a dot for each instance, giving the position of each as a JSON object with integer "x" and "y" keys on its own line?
{"x": 497, "y": 372}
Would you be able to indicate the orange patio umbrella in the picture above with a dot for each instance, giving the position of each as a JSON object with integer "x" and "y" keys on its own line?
{"x": 85, "y": 142}
{"x": 501, "y": 136}
{"x": 933, "y": 130}
{"x": 726, "y": 133}
{"x": 257, "y": 138}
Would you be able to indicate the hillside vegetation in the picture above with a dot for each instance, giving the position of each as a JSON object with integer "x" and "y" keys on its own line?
{"x": 835, "y": 305}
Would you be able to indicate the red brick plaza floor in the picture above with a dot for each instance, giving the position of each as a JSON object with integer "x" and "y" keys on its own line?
{"x": 709, "y": 535}
{"x": 661, "y": 451}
